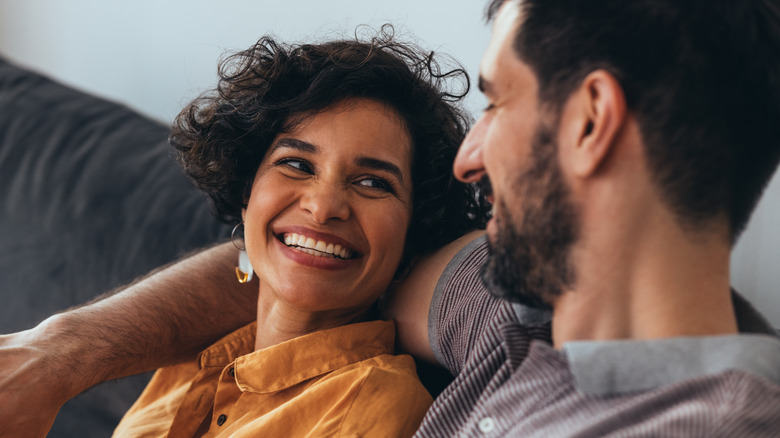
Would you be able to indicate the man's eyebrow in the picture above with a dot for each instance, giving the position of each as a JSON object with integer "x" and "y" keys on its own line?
{"x": 375, "y": 163}
{"x": 294, "y": 143}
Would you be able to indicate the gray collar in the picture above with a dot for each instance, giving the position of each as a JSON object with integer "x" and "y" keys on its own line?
{"x": 529, "y": 316}
{"x": 609, "y": 367}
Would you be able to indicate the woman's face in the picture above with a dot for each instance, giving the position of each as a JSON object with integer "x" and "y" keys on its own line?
{"x": 330, "y": 205}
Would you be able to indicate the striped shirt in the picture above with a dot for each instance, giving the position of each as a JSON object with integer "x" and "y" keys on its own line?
{"x": 512, "y": 382}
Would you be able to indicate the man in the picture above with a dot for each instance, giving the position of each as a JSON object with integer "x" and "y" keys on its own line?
{"x": 626, "y": 143}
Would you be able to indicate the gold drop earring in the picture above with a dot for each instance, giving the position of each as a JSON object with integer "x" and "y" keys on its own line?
{"x": 244, "y": 270}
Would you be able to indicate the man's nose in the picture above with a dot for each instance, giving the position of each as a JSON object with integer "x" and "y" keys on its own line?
{"x": 468, "y": 166}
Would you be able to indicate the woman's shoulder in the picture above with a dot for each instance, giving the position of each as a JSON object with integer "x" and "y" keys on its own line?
{"x": 390, "y": 400}
{"x": 381, "y": 370}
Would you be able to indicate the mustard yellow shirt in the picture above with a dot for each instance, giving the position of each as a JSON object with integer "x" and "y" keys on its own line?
{"x": 341, "y": 382}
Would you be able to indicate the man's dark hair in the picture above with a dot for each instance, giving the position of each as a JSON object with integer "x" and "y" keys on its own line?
{"x": 702, "y": 79}
{"x": 271, "y": 88}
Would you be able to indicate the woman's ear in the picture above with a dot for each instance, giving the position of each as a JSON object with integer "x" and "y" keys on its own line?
{"x": 591, "y": 121}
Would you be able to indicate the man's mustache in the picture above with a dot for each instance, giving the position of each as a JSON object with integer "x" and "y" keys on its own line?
{"x": 484, "y": 187}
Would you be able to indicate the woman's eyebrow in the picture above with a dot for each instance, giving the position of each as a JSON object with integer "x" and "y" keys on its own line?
{"x": 376, "y": 163}
{"x": 362, "y": 161}
{"x": 294, "y": 143}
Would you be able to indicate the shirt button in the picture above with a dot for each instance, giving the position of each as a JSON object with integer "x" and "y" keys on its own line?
{"x": 221, "y": 420}
{"x": 486, "y": 425}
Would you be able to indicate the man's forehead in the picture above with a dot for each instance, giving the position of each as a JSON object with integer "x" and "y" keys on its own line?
{"x": 501, "y": 42}
{"x": 495, "y": 5}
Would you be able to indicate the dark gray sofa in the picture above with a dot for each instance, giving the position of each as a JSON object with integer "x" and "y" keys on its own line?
{"x": 90, "y": 198}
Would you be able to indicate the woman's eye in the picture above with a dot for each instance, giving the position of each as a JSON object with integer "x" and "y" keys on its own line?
{"x": 296, "y": 164}
{"x": 376, "y": 183}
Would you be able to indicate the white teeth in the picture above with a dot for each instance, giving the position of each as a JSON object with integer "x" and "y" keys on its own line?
{"x": 316, "y": 247}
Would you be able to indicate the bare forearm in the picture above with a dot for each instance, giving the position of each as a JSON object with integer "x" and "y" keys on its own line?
{"x": 165, "y": 318}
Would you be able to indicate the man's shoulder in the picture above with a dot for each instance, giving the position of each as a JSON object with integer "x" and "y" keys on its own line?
{"x": 727, "y": 403}
{"x": 716, "y": 400}
{"x": 749, "y": 405}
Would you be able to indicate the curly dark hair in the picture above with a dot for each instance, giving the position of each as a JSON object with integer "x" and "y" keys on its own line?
{"x": 270, "y": 88}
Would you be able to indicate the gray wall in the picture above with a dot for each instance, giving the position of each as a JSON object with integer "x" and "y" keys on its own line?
{"x": 155, "y": 55}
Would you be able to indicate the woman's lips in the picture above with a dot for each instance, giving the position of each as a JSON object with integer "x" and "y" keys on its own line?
{"x": 314, "y": 258}
{"x": 304, "y": 237}
{"x": 315, "y": 247}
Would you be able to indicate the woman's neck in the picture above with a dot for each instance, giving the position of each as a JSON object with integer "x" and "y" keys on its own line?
{"x": 278, "y": 322}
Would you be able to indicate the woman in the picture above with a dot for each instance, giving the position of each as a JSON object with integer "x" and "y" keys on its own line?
{"x": 337, "y": 159}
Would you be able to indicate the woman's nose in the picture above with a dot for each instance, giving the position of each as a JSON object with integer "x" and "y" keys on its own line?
{"x": 468, "y": 166}
{"x": 325, "y": 202}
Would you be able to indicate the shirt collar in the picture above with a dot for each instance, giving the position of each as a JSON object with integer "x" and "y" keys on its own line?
{"x": 530, "y": 316}
{"x": 288, "y": 363}
{"x": 227, "y": 349}
{"x": 609, "y": 367}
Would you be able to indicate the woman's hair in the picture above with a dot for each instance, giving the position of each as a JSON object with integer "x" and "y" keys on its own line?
{"x": 223, "y": 135}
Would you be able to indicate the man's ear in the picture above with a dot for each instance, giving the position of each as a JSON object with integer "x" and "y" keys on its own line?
{"x": 591, "y": 121}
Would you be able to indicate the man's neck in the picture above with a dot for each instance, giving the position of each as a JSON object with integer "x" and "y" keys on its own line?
{"x": 647, "y": 282}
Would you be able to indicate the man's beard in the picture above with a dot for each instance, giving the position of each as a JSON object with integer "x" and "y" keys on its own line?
{"x": 530, "y": 259}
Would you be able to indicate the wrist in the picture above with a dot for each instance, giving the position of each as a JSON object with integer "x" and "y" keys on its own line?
{"x": 68, "y": 358}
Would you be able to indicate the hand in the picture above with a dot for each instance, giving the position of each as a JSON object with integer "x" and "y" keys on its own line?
{"x": 33, "y": 383}
{"x": 42, "y": 368}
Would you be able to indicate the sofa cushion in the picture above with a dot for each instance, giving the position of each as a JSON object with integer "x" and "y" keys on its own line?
{"x": 90, "y": 198}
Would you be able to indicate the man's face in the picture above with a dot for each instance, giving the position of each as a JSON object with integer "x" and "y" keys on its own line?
{"x": 514, "y": 143}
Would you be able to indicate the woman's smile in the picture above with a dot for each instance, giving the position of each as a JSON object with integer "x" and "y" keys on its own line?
{"x": 317, "y": 250}
{"x": 317, "y": 243}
